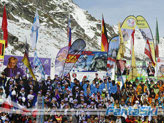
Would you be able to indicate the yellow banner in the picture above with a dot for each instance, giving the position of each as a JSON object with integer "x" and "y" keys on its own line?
{"x": 141, "y": 22}
{"x": 133, "y": 73}
{"x": 2, "y": 49}
{"x": 146, "y": 33}
{"x": 129, "y": 23}
{"x": 121, "y": 50}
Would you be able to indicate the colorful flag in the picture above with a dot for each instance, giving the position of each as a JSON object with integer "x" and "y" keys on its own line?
{"x": 148, "y": 51}
{"x": 38, "y": 63}
{"x": 69, "y": 32}
{"x": 104, "y": 38}
{"x": 157, "y": 41}
{"x": 4, "y": 26}
{"x": 26, "y": 62}
{"x": 34, "y": 31}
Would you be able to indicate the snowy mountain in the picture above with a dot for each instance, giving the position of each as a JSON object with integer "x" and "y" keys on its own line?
{"x": 53, "y": 27}
{"x": 53, "y": 30}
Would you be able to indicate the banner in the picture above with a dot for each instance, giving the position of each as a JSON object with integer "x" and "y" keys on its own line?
{"x": 130, "y": 111}
{"x": 60, "y": 60}
{"x": 112, "y": 51}
{"x": 73, "y": 54}
{"x": 127, "y": 27}
{"x": 160, "y": 68}
{"x": 146, "y": 33}
{"x": 91, "y": 61}
{"x": 2, "y": 49}
{"x": 46, "y": 62}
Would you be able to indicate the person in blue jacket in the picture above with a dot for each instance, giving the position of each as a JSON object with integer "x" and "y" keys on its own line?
{"x": 105, "y": 85}
{"x": 113, "y": 89}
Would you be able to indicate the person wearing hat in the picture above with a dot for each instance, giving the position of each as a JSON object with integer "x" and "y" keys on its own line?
{"x": 122, "y": 103}
{"x": 93, "y": 86}
{"x": 104, "y": 84}
{"x": 22, "y": 93}
{"x": 77, "y": 88}
{"x": 3, "y": 79}
{"x": 83, "y": 81}
{"x": 93, "y": 106}
{"x": 85, "y": 85}
{"x": 96, "y": 77}
{"x": 142, "y": 86}
{"x": 156, "y": 89}
{"x": 97, "y": 89}
{"x": 151, "y": 96}
{"x": 9, "y": 87}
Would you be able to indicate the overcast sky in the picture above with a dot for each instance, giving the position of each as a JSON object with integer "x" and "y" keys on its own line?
{"x": 115, "y": 11}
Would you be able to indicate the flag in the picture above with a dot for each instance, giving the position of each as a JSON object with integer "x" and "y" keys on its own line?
{"x": 34, "y": 30}
{"x": 69, "y": 32}
{"x": 133, "y": 73}
{"x": 4, "y": 26}
{"x": 26, "y": 62}
{"x": 157, "y": 41}
{"x": 148, "y": 52}
{"x": 121, "y": 50}
{"x": 38, "y": 63}
{"x": 104, "y": 38}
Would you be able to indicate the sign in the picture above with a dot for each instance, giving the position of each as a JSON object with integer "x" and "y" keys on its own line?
{"x": 46, "y": 62}
{"x": 91, "y": 61}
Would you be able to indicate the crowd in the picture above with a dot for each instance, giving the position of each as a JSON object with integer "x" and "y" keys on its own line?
{"x": 81, "y": 94}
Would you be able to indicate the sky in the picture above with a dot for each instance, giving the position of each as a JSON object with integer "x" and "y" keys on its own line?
{"x": 115, "y": 11}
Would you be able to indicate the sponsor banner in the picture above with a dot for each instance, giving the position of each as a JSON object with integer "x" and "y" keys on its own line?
{"x": 46, "y": 62}
{"x": 112, "y": 51}
{"x": 60, "y": 60}
{"x": 127, "y": 27}
{"x": 140, "y": 111}
{"x": 91, "y": 61}
{"x": 74, "y": 53}
{"x": 146, "y": 33}
{"x": 130, "y": 111}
